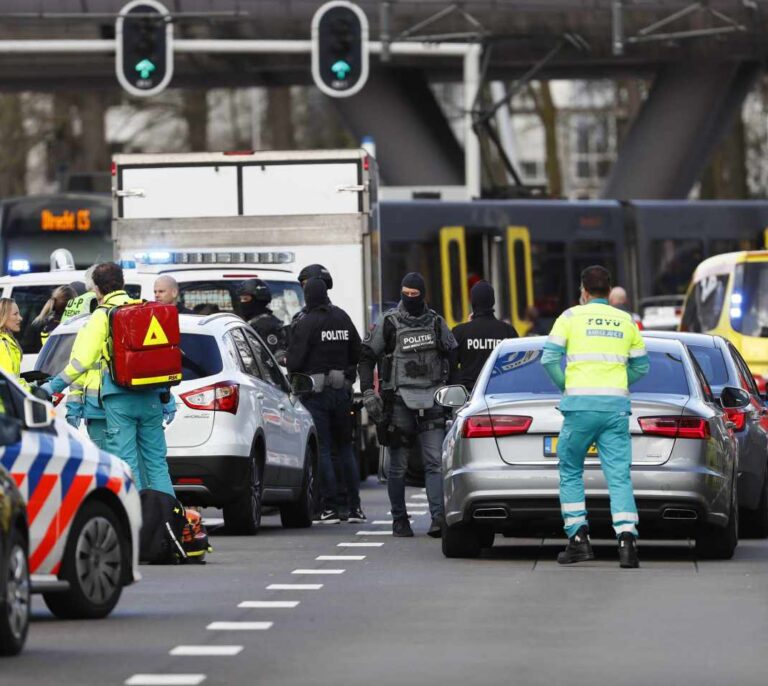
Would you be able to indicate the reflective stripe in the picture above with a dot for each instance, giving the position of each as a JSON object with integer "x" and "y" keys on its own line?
{"x": 92, "y": 392}
{"x": 626, "y": 517}
{"x": 557, "y": 340}
{"x": 596, "y": 357}
{"x": 597, "y": 391}
{"x": 66, "y": 378}
{"x": 570, "y": 521}
{"x": 638, "y": 352}
{"x": 77, "y": 365}
{"x": 625, "y": 529}
{"x": 574, "y": 507}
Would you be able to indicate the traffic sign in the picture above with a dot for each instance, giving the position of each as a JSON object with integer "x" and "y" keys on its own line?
{"x": 339, "y": 48}
{"x": 144, "y": 41}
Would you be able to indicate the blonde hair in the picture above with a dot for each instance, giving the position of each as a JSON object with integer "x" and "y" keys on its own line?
{"x": 6, "y": 306}
{"x": 65, "y": 293}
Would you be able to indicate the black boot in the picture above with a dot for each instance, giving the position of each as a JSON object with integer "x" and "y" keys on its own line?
{"x": 579, "y": 549}
{"x": 402, "y": 528}
{"x": 436, "y": 528}
{"x": 628, "y": 551}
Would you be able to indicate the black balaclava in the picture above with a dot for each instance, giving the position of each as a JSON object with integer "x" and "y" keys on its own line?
{"x": 483, "y": 298}
{"x": 315, "y": 293}
{"x": 260, "y": 298}
{"x": 413, "y": 305}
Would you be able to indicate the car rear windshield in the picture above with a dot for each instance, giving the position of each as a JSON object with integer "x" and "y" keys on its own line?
{"x": 521, "y": 372}
{"x": 200, "y": 355}
{"x": 712, "y": 364}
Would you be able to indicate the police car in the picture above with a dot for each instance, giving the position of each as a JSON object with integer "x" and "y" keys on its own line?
{"x": 83, "y": 509}
{"x": 208, "y": 282}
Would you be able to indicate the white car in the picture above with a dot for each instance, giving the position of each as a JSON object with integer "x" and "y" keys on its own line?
{"x": 210, "y": 284}
{"x": 83, "y": 508}
{"x": 241, "y": 439}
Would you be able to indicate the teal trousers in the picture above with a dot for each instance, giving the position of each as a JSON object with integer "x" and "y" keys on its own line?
{"x": 610, "y": 431}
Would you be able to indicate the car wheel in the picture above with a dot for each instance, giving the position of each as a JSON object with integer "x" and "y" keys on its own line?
{"x": 93, "y": 564}
{"x": 486, "y": 537}
{"x": 243, "y": 516}
{"x": 719, "y": 543}
{"x": 460, "y": 541}
{"x": 298, "y": 515}
{"x": 14, "y": 602}
{"x": 755, "y": 522}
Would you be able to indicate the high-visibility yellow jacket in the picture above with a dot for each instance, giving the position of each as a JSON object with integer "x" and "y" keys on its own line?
{"x": 10, "y": 356}
{"x": 80, "y": 305}
{"x": 604, "y": 354}
{"x": 90, "y": 350}
{"x": 86, "y": 389}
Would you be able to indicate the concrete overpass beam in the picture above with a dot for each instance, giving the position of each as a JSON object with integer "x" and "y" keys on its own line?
{"x": 414, "y": 142}
{"x": 688, "y": 111}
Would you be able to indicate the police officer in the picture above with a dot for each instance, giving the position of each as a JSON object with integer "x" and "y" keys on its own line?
{"x": 311, "y": 271}
{"x": 605, "y": 354}
{"x": 416, "y": 354}
{"x": 326, "y": 346}
{"x": 255, "y": 297}
{"x": 478, "y": 338}
{"x": 134, "y": 419}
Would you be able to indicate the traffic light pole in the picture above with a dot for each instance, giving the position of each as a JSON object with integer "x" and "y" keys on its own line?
{"x": 469, "y": 52}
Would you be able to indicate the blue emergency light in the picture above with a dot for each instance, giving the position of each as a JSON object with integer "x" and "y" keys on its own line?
{"x": 18, "y": 266}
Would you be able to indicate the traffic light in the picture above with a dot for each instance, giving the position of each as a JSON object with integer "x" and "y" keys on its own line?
{"x": 339, "y": 48}
{"x": 144, "y": 56}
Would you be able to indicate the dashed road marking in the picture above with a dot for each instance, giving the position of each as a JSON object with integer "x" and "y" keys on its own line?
{"x": 165, "y": 680}
{"x": 418, "y": 496}
{"x": 206, "y": 651}
{"x": 239, "y": 626}
{"x": 411, "y": 513}
{"x": 268, "y": 604}
{"x": 381, "y": 521}
{"x": 367, "y": 544}
{"x": 331, "y": 558}
{"x": 294, "y": 587}
{"x": 374, "y": 533}
{"x": 318, "y": 571}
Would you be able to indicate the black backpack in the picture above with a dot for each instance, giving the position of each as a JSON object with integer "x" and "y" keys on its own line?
{"x": 163, "y": 521}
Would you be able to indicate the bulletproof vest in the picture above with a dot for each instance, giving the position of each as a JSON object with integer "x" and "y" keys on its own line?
{"x": 417, "y": 360}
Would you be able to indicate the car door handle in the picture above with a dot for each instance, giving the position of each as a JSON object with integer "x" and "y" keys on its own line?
{"x": 281, "y": 407}
{"x": 259, "y": 396}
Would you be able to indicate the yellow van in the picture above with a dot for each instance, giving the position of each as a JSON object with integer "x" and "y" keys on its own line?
{"x": 728, "y": 296}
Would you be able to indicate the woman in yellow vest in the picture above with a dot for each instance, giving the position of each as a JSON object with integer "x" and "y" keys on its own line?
{"x": 10, "y": 350}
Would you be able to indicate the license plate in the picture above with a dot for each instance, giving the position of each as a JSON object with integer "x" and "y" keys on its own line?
{"x": 550, "y": 447}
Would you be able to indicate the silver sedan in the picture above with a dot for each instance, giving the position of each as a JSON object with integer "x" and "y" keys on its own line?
{"x": 500, "y": 456}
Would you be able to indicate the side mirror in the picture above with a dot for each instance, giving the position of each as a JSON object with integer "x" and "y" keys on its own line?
{"x": 301, "y": 384}
{"x": 38, "y": 414}
{"x": 10, "y": 431}
{"x": 732, "y": 397}
{"x": 451, "y": 396}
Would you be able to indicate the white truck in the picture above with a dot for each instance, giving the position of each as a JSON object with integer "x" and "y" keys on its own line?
{"x": 221, "y": 210}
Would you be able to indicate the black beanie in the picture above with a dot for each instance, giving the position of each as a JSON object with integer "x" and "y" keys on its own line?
{"x": 414, "y": 280}
{"x": 482, "y": 297}
{"x": 315, "y": 293}
{"x": 79, "y": 287}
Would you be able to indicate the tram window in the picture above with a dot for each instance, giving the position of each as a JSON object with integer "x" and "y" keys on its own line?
{"x": 549, "y": 278}
{"x": 454, "y": 265}
{"x": 703, "y": 308}
{"x": 587, "y": 253}
{"x": 673, "y": 263}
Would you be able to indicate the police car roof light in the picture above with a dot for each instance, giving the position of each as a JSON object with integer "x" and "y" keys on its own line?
{"x": 18, "y": 266}
{"x": 214, "y": 257}
{"x": 62, "y": 260}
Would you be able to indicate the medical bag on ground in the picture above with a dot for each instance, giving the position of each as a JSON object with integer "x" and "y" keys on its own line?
{"x": 145, "y": 347}
{"x": 195, "y": 537}
{"x": 162, "y": 528}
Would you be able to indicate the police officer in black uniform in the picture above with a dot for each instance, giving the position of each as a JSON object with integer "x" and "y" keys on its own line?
{"x": 255, "y": 297}
{"x": 325, "y": 345}
{"x": 478, "y": 337}
{"x": 416, "y": 354}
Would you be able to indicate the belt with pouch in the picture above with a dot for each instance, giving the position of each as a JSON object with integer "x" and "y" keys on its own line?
{"x": 335, "y": 379}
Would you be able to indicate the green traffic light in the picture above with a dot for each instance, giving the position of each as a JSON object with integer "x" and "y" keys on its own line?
{"x": 341, "y": 69}
{"x": 145, "y": 68}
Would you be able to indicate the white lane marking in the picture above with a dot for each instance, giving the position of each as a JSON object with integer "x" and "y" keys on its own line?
{"x": 331, "y": 558}
{"x": 368, "y": 544}
{"x": 213, "y": 521}
{"x": 165, "y": 680}
{"x": 239, "y": 626}
{"x": 418, "y": 496}
{"x": 374, "y": 533}
{"x": 412, "y": 513}
{"x": 206, "y": 651}
{"x": 318, "y": 571}
{"x": 268, "y": 604}
{"x": 294, "y": 587}
{"x": 381, "y": 521}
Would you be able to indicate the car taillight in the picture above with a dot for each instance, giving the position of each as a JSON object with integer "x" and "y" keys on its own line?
{"x": 495, "y": 426}
{"x": 220, "y": 397}
{"x": 737, "y": 416}
{"x": 675, "y": 427}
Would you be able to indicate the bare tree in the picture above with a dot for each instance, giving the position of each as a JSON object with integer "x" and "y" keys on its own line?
{"x": 541, "y": 93}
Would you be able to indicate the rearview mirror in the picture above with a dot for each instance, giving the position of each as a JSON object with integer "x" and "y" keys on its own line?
{"x": 10, "y": 431}
{"x": 732, "y": 397}
{"x": 38, "y": 414}
{"x": 301, "y": 384}
{"x": 451, "y": 396}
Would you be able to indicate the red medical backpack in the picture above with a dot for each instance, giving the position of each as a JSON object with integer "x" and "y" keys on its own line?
{"x": 145, "y": 350}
